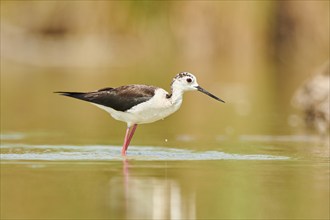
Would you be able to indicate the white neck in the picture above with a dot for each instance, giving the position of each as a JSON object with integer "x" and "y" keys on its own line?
{"x": 177, "y": 96}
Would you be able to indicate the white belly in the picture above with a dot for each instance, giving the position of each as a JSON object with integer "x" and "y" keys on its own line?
{"x": 158, "y": 107}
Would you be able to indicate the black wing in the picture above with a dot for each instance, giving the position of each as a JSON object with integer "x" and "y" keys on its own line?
{"x": 120, "y": 99}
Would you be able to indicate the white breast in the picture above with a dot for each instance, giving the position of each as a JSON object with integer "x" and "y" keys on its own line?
{"x": 158, "y": 107}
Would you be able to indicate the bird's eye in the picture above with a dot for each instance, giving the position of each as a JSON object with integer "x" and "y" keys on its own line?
{"x": 189, "y": 80}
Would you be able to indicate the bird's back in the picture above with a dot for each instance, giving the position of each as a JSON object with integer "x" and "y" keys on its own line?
{"x": 121, "y": 98}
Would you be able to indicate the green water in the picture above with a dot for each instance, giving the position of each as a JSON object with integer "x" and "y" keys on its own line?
{"x": 60, "y": 158}
{"x": 247, "y": 177}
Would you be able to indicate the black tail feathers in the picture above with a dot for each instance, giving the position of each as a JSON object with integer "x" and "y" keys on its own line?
{"x": 71, "y": 94}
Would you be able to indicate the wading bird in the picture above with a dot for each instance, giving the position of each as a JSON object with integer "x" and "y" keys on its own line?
{"x": 141, "y": 104}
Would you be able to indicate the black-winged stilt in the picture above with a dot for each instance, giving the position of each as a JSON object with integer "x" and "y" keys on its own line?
{"x": 141, "y": 104}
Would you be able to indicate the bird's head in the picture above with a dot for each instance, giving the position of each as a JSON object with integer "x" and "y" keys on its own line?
{"x": 186, "y": 81}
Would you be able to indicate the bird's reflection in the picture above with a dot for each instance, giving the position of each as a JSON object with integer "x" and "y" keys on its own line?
{"x": 148, "y": 197}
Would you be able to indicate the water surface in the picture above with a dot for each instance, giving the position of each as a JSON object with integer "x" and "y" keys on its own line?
{"x": 256, "y": 177}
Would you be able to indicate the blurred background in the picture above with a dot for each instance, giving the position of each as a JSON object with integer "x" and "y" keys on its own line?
{"x": 253, "y": 54}
{"x": 269, "y": 60}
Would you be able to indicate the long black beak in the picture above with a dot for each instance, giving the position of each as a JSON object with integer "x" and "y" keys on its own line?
{"x": 209, "y": 94}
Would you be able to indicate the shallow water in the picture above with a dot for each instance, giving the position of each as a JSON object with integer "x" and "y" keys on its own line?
{"x": 254, "y": 177}
{"x": 110, "y": 153}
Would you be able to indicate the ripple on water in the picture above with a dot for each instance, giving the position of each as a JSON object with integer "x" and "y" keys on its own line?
{"x": 110, "y": 153}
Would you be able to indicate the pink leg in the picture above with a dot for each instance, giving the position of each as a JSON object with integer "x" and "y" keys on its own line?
{"x": 131, "y": 134}
{"x": 128, "y": 137}
{"x": 123, "y": 151}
